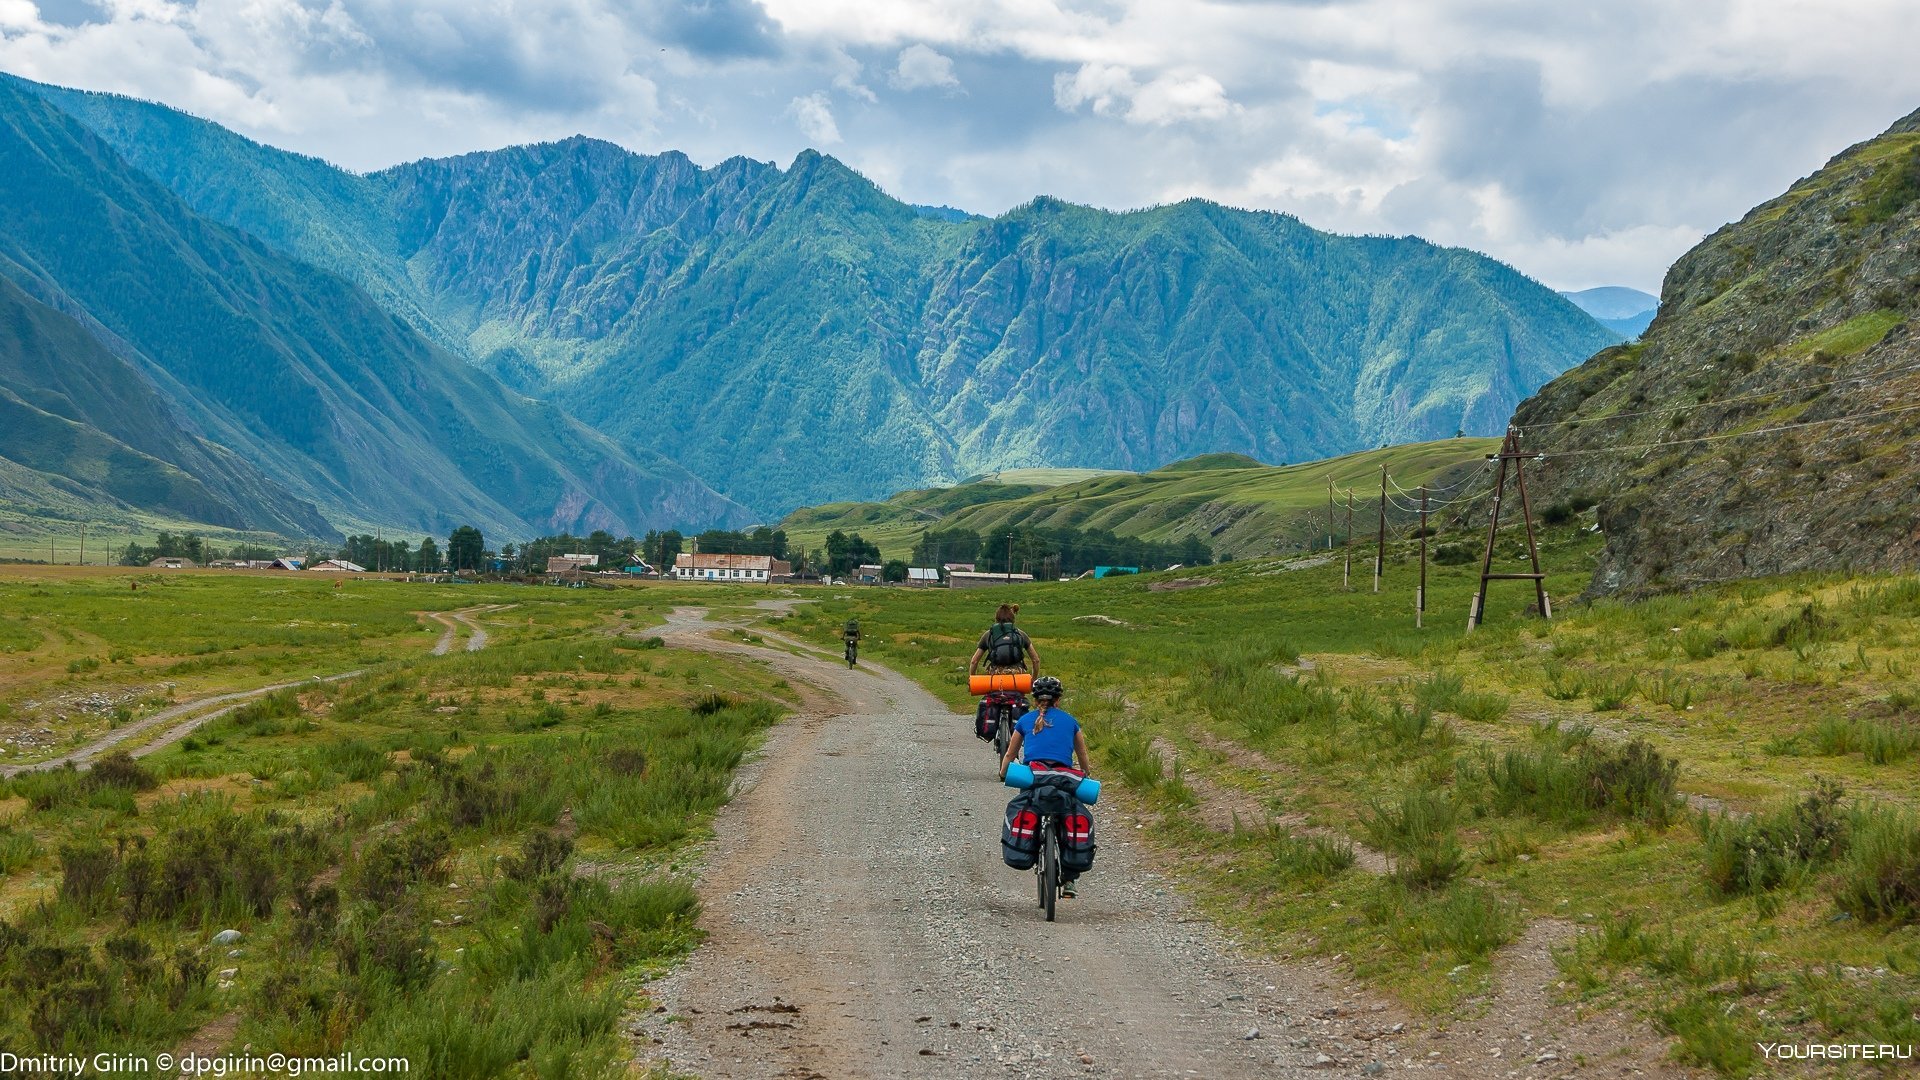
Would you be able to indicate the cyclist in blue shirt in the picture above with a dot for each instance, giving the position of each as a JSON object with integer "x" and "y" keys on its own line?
{"x": 1048, "y": 736}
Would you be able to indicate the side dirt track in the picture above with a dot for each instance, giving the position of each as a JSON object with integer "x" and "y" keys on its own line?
{"x": 862, "y": 925}
{"x": 200, "y": 711}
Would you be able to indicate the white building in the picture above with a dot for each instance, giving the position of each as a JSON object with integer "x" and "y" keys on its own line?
{"x": 698, "y": 566}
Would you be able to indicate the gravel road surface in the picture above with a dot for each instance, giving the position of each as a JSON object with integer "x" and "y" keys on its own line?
{"x": 863, "y": 925}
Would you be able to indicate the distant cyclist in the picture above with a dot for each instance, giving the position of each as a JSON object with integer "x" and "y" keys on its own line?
{"x": 850, "y": 634}
{"x": 1048, "y": 738}
{"x": 1005, "y": 647}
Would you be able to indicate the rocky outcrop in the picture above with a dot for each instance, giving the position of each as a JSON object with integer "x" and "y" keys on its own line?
{"x": 1769, "y": 419}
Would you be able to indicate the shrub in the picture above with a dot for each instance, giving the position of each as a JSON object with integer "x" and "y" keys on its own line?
{"x": 543, "y": 852}
{"x": 1880, "y": 880}
{"x": 392, "y": 865}
{"x": 1481, "y": 706}
{"x": 1419, "y": 831}
{"x": 1563, "y": 781}
{"x": 120, "y": 770}
{"x": 1769, "y": 849}
{"x": 393, "y": 943}
{"x": 1131, "y": 753}
{"x": 1314, "y": 857}
{"x": 1611, "y": 693}
{"x": 1700, "y": 643}
{"x": 86, "y": 875}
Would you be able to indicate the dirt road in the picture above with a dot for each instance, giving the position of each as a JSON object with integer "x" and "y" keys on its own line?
{"x": 188, "y": 716}
{"x": 454, "y": 620}
{"x": 863, "y": 925}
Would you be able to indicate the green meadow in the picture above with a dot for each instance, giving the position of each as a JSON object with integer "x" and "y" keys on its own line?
{"x": 470, "y": 860}
{"x": 1709, "y": 797}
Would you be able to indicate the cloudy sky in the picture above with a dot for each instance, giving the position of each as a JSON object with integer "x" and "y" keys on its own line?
{"x": 1585, "y": 143}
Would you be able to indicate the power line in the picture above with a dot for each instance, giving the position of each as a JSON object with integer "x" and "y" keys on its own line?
{"x": 1543, "y": 456}
{"x": 1864, "y": 376}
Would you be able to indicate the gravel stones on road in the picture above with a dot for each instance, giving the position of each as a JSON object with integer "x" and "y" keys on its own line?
{"x": 862, "y": 924}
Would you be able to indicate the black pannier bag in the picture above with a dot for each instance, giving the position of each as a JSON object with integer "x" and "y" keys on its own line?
{"x": 1020, "y": 835}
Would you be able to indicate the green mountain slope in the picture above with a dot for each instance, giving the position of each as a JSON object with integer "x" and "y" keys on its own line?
{"x": 295, "y": 370}
{"x": 62, "y": 391}
{"x": 1767, "y": 420}
{"x": 798, "y": 335}
{"x": 1236, "y": 506}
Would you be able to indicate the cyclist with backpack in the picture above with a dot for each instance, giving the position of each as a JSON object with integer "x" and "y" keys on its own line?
{"x": 1004, "y": 648}
{"x": 850, "y": 635}
{"x": 1049, "y": 738}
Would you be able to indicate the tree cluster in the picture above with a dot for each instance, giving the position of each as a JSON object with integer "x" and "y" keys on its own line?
{"x": 1051, "y": 551}
{"x": 189, "y": 546}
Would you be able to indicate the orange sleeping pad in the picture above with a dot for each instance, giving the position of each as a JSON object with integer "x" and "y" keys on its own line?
{"x": 1018, "y": 681}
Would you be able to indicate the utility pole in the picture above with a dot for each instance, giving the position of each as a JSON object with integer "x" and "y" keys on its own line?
{"x": 1420, "y": 593}
{"x": 1330, "y": 528}
{"x": 1380, "y": 542}
{"x": 83, "y": 543}
{"x": 1346, "y": 574}
{"x": 1009, "y": 558}
{"x": 1510, "y": 452}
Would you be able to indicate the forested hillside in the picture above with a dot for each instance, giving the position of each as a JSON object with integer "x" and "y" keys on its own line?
{"x": 191, "y": 369}
{"x": 797, "y": 335}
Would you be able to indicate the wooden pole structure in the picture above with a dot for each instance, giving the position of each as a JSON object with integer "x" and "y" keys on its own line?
{"x": 1330, "y": 527}
{"x": 1346, "y": 575}
{"x": 1510, "y": 452}
{"x": 1009, "y": 558}
{"x": 1380, "y": 541}
{"x": 1420, "y": 592}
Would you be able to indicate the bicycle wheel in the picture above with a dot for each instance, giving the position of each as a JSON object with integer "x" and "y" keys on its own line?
{"x": 1050, "y": 877}
{"x": 852, "y": 651}
{"x": 1002, "y": 730}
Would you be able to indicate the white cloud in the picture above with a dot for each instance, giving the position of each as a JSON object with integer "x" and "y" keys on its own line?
{"x": 813, "y": 114}
{"x": 1105, "y": 87}
{"x": 920, "y": 67}
{"x": 1507, "y": 125}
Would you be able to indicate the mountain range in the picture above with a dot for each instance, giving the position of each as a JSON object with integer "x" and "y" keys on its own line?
{"x": 572, "y": 335}
{"x": 1627, "y": 312}
{"x": 1769, "y": 419}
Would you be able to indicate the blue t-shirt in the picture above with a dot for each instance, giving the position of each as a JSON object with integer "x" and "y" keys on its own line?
{"x": 1053, "y": 744}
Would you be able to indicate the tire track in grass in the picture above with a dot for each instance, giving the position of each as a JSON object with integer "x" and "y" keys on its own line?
{"x": 197, "y": 714}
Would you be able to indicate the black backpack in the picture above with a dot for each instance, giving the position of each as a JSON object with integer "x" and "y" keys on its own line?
{"x": 1005, "y": 646}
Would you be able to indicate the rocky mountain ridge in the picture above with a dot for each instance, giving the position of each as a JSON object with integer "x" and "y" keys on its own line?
{"x": 1769, "y": 419}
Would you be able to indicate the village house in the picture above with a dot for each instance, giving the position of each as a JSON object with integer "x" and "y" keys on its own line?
{"x": 562, "y": 564}
{"x": 338, "y": 565}
{"x": 962, "y": 579}
{"x": 699, "y": 566}
{"x": 169, "y": 562}
{"x": 925, "y": 577}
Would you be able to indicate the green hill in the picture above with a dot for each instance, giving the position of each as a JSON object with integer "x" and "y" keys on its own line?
{"x": 794, "y": 336}
{"x": 1765, "y": 423}
{"x": 162, "y": 350}
{"x": 1236, "y": 507}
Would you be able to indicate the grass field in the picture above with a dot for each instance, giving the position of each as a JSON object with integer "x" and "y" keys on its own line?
{"x": 1716, "y": 791}
{"x": 467, "y": 860}
{"x": 1238, "y": 506}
